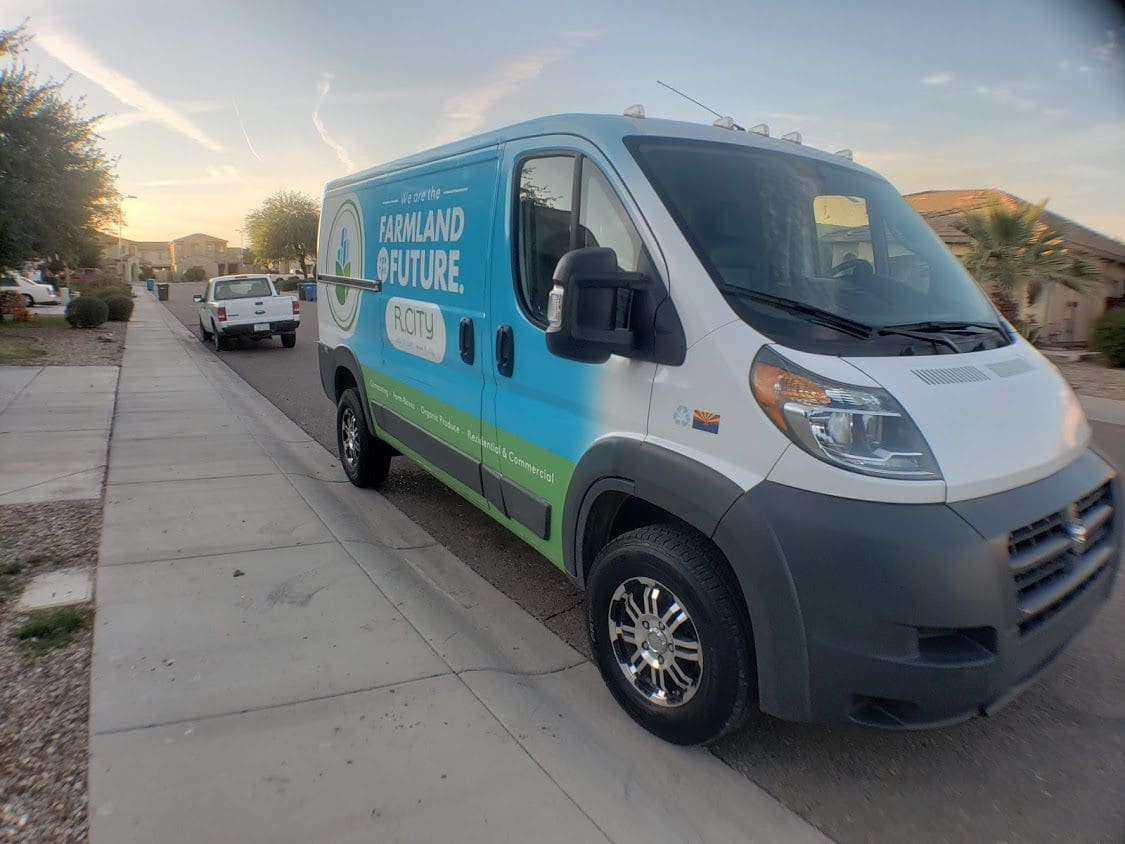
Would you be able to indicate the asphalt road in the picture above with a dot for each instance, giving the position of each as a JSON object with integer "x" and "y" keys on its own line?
{"x": 1050, "y": 767}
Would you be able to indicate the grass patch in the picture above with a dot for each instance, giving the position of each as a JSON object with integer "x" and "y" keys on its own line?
{"x": 11, "y": 568}
{"x": 17, "y": 350}
{"x": 51, "y": 321}
{"x": 46, "y": 630}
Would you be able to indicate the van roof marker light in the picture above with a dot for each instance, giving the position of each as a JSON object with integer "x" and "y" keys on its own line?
{"x": 637, "y": 110}
{"x": 845, "y": 153}
{"x": 760, "y": 129}
{"x": 795, "y": 137}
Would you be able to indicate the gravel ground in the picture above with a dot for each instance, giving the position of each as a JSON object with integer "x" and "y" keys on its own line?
{"x": 74, "y": 347}
{"x": 44, "y": 702}
{"x": 1094, "y": 379}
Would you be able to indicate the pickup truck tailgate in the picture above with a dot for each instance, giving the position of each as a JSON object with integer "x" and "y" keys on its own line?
{"x": 266, "y": 309}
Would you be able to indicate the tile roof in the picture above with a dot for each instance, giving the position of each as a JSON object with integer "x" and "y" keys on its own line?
{"x": 942, "y": 208}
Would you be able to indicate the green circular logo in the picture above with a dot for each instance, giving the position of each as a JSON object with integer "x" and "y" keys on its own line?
{"x": 345, "y": 260}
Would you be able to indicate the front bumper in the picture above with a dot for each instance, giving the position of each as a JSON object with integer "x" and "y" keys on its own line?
{"x": 284, "y": 326}
{"x": 917, "y": 615}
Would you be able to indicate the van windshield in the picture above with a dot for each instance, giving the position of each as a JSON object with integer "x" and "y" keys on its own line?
{"x": 815, "y": 255}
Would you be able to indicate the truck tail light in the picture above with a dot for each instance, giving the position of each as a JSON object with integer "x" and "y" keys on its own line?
{"x": 296, "y": 307}
{"x": 222, "y": 314}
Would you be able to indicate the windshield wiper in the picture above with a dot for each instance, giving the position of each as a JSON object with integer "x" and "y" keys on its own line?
{"x": 952, "y": 325}
{"x": 817, "y": 315}
{"x": 925, "y": 338}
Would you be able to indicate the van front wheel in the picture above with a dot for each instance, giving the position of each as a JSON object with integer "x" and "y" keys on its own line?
{"x": 668, "y": 628}
{"x": 366, "y": 459}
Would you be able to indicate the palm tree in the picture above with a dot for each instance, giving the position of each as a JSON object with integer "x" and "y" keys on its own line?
{"x": 1010, "y": 246}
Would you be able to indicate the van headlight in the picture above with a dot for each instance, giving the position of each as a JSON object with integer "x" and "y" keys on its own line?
{"x": 862, "y": 429}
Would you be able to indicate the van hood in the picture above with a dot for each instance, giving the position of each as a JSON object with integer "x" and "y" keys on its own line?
{"x": 994, "y": 420}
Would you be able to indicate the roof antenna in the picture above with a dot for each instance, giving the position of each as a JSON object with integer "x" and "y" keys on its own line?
{"x": 723, "y": 121}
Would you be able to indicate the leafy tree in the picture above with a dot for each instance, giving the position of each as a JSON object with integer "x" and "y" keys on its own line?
{"x": 1012, "y": 248}
{"x": 195, "y": 274}
{"x": 146, "y": 273}
{"x": 284, "y": 228}
{"x": 90, "y": 251}
{"x": 56, "y": 183}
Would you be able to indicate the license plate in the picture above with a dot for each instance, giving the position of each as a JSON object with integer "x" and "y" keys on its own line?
{"x": 261, "y": 326}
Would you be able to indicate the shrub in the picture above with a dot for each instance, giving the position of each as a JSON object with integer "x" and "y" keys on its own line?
{"x": 12, "y": 304}
{"x": 287, "y": 285}
{"x": 119, "y": 308}
{"x": 1109, "y": 337}
{"x": 195, "y": 274}
{"x": 86, "y": 312}
{"x": 121, "y": 290}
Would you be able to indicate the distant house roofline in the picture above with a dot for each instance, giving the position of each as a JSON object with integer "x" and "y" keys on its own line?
{"x": 199, "y": 234}
{"x": 942, "y": 208}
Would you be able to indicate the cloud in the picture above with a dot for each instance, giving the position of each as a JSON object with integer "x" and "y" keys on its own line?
{"x": 322, "y": 89}
{"x": 943, "y": 78}
{"x": 225, "y": 174}
{"x": 466, "y": 112}
{"x": 242, "y": 126}
{"x": 1107, "y": 50}
{"x": 121, "y": 119}
{"x": 74, "y": 55}
{"x": 1007, "y": 96}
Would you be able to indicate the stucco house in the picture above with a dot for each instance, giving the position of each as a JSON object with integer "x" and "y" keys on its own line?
{"x": 204, "y": 250}
{"x": 1065, "y": 317}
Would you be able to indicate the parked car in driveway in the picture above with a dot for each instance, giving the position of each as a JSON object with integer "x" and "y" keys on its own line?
{"x": 33, "y": 292}
{"x": 246, "y": 306}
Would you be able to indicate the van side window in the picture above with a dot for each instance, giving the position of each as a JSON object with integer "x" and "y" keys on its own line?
{"x": 602, "y": 220}
{"x": 546, "y": 187}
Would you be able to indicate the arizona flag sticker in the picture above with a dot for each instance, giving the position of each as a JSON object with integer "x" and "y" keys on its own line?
{"x": 703, "y": 420}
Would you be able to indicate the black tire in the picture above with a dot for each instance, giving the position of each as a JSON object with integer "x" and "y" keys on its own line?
{"x": 221, "y": 343}
{"x": 204, "y": 334}
{"x": 27, "y": 298}
{"x": 366, "y": 459}
{"x": 288, "y": 341}
{"x": 690, "y": 569}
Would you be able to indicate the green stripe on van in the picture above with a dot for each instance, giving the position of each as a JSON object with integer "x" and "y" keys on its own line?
{"x": 529, "y": 465}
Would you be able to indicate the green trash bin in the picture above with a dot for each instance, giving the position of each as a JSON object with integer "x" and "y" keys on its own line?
{"x": 162, "y": 292}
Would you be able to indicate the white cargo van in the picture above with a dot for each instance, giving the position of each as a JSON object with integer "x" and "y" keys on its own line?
{"x": 739, "y": 391}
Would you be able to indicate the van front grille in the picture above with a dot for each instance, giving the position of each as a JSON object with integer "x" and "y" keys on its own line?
{"x": 1058, "y": 557}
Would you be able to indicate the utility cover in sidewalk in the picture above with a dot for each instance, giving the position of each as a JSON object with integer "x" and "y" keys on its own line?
{"x": 57, "y": 589}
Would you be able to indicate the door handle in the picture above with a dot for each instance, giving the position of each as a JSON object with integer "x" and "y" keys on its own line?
{"x": 467, "y": 341}
{"x": 505, "y": 350}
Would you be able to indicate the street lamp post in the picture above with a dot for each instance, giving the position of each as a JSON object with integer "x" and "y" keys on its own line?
{"x": 120, "y": 223}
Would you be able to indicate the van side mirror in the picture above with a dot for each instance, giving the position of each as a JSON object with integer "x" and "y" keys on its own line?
{"x": 589, "y": 308}
{"x": 197, "y": 298}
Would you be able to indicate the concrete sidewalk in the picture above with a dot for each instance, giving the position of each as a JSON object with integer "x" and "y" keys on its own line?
{"x": 54, "y": 430}
{"x": 282, "y": 657}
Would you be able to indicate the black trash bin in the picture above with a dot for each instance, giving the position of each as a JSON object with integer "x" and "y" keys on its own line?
{"x": 302, "y": 293}
{"x": 162, "y": 292}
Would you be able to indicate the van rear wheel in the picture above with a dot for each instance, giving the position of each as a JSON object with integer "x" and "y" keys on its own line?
{"x": 365, "y": 458}
{"x": 668, "y": 628}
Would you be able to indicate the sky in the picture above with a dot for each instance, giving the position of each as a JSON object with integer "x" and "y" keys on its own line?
{"x": 212, "y": 106}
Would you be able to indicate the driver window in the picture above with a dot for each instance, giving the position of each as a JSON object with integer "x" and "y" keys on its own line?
{"x": 843, "y": 235}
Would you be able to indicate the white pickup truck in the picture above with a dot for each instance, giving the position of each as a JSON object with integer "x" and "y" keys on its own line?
{"x": 246, "y": 306}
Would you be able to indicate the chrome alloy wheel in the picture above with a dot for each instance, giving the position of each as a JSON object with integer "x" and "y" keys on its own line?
{"x": 349, "y": 437}
{"x": 655, "y": 642}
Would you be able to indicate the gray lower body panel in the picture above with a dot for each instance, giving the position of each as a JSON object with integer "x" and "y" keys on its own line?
{"x": 914, "y": 615}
